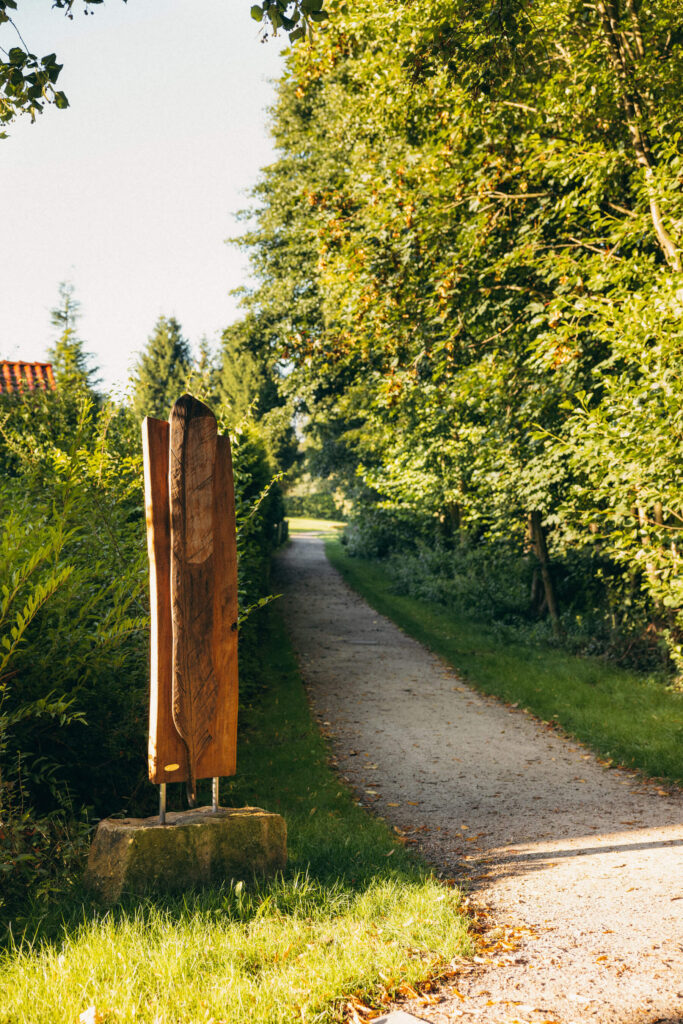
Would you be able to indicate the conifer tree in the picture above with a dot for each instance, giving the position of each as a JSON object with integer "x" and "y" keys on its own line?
{"x": 201, "y": 381}
{"x": 244, "y": 381}
{"x": 248, "y": 383}
{"x": 162, "y": 370}
{"x": 72, "y": 366}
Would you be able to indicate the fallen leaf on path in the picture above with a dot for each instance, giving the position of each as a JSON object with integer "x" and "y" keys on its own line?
{"x": 393, "y": 805}
{"x": 407, "y": 990}
{"x": 413, "y": 803}
{"x": 601, "y": 959}
{"x": 355, "y": 1006}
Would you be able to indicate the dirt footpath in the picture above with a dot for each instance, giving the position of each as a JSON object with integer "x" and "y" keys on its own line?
{"x": 579, "y": 866}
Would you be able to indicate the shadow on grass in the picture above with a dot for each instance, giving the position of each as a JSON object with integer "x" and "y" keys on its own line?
{"x": 336, "y": 851}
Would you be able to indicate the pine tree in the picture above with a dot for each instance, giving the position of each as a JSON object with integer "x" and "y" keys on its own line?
{"x": 244, "y": 381}
{"x": 162, "y": 370}
{"x": 72, "y": 366}
{"x": 247, "y": 382}
{"x": 201, "y": 381}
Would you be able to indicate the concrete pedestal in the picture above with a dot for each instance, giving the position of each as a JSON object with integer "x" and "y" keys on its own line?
{"x": 193, "y": 848}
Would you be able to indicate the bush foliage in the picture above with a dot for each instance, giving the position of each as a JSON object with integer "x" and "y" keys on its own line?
{"x": 74, "y": 618}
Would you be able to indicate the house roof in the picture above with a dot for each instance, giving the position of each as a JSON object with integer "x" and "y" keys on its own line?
{"x": 17, "y": 377}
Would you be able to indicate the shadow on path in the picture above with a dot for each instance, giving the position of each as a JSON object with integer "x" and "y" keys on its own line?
{"x": 584, "y": 859}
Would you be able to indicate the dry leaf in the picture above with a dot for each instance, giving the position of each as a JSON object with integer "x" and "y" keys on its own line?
{"x": 407, "y": 990}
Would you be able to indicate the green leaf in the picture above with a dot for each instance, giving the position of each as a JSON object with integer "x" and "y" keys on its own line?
{"x": 257, "y": 13}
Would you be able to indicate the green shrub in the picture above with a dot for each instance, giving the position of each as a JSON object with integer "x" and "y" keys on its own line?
{"x": 74, "y": 616}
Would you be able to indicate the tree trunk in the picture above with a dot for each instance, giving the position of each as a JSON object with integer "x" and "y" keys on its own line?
{"x": 541, "y": 552}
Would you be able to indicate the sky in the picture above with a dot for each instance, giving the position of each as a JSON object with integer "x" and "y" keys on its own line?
{"x": 130, "y": 193}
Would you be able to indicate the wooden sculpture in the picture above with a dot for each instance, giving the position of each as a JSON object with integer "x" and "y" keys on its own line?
{"x": 190, "y": 508}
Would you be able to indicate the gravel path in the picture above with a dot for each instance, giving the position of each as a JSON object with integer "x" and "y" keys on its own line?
{"x": 575, "y": 870}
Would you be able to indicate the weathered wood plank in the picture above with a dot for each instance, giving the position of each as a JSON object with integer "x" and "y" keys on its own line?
{"x": 165, "y": 745}
{"x": 191, "y": 473}
{"x": 189, "y": 497}
{"x": 219, "y": 759}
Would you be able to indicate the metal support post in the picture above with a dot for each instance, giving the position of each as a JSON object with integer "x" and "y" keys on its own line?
{"x": 162, "y": 803}
{"x": 214, "y": 794}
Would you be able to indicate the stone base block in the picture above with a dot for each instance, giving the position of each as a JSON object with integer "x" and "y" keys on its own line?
{"x": 193, "y": 848}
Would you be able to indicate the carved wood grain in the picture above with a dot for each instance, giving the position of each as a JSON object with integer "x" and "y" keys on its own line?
{"x": 219, "y": 758}
{"x": 193, "y": 584}
{"x": 191, "y": 472}
{"x": 165, "y": 745}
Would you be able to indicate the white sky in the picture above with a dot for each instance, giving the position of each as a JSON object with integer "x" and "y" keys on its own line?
{"x": 131, "y": 192}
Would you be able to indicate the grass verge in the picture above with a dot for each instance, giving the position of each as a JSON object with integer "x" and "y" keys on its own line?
{"x": 354, "y": 920}
{"x": 627, "y": 718}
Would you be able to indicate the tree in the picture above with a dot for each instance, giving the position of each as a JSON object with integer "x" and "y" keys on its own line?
{"x": 72, "y": 366}
{"x": 249, "y": 384}
{"x": 475, "y": 216}
{"x": 162, "y": 371}
{"x": 28, "y": 82}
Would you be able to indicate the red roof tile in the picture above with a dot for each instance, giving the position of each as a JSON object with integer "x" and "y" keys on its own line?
{"x": 17, "y": 377}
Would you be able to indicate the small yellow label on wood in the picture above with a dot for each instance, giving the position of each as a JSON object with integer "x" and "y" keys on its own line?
{"x": 171, "y": 767}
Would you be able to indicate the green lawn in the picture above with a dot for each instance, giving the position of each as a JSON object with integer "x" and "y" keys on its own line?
{"x": 354, "y": 917}
{"x": 327, "y": 527}
{"x": 625, "y": 717}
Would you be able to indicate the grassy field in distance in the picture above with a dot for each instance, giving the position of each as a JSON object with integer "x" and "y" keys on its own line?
{"x": 298, "y": 524}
